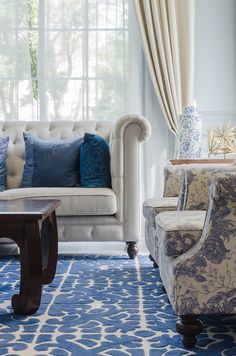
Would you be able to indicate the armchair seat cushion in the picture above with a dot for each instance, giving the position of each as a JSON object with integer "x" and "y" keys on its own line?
{"x": 154, "y": 206}
{"x": 178, "y": 231}
{"x": 74, "y": 201}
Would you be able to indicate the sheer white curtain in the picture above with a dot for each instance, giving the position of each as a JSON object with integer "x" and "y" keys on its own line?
{"x": 16, "y": 100}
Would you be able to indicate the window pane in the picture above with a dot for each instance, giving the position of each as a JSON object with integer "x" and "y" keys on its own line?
{"x": 21, "y": 9}
{"x": 16, "y": 100}
{"x": 26, "y": 107}
{"x": 14, "y": 54}
{"x": 7, "y": 14}
{"x": 106, "y": 53}
{"x": 66, "y": 99}
{"x": 108, "y": 13}
{"x": 65, "y": 53}
{"x": 14, "y": 14}
{"x": 22, "y": 56}
{"x": 65, "y": 14}
{"x": 7, "y": 100}
{"x": 107, "y": 99}
{"x": 7, "y": 54}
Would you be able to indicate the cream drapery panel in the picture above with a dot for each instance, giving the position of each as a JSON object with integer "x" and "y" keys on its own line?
{"x": 167, "y": 30}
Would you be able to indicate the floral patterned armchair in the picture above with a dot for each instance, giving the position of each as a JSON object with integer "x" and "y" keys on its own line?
{"x": 197, "y": 249}
{"x": 173, "y": 198}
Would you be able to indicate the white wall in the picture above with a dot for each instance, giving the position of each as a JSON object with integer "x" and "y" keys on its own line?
{"x": 215, "y": 62}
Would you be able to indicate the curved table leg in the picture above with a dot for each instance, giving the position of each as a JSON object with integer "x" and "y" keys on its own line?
{"x": 49, "y": 244}
{"x": 28, "y": 300}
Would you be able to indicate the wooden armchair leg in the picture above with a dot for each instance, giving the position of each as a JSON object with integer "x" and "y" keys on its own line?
{"x": 155, "y": 265}
{"x": 189, "y": 327}
{"x": 151, "y": 258}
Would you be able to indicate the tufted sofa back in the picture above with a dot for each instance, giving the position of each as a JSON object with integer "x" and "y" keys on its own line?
{"x": 46, "y": 130}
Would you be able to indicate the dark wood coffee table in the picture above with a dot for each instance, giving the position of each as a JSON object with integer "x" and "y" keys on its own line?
{"x": 32, "y": 225}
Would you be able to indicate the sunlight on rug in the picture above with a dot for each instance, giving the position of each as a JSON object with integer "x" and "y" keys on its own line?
{"x": 102, "y": 306}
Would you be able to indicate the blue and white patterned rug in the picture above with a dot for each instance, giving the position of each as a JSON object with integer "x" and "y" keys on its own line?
{"x": 102, "y": 306}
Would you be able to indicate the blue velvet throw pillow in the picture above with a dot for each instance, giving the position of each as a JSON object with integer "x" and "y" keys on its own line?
{"x": 3, "y": 167}
{"x": 94, "y": 162}
{"x": 51, "y": 163}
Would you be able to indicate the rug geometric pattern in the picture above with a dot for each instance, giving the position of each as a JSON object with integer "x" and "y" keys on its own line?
{"x": 99, "y": 305}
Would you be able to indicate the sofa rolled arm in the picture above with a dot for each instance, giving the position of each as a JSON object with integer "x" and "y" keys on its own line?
{"x": 126, "y": 120}
{"x": 206, "y": 273}
{"x": 128, "y": 133}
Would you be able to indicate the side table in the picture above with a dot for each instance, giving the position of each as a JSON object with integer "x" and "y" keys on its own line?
{"x": 202, "y": 161}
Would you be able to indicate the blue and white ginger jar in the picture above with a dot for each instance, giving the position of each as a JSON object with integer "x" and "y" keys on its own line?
{"x": 190, "y": 134}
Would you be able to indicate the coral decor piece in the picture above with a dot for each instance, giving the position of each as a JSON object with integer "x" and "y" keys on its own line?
{"x": 222, "y": 140}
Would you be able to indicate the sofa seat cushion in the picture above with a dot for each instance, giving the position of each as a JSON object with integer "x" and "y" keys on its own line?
{"x": 178, "y": 231}
{"x": 74, "y": 201}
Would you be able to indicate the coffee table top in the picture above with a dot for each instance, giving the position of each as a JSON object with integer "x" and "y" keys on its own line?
{"x": 27, "y": 209}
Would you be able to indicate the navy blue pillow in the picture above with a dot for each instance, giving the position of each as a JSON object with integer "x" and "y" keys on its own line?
{"x": 51, "y": 163}
{"x": 3, "y": 167}
{"x": 94, "y": 162}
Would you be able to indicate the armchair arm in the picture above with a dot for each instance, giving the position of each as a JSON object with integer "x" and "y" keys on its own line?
{"x": 128, "y": 133}
{"x": 205, "y": 275}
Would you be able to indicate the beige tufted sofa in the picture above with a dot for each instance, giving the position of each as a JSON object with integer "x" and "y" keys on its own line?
{"x": 88, "y": 214}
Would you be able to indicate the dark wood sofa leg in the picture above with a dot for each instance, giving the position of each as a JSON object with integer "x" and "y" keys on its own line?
{"x": 132, "y": 249}
{"x": 189, "y": 327}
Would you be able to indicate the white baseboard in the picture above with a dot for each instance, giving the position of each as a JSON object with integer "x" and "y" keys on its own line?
{"x": 82, "y": 248}
{"x": 98, "y": 248}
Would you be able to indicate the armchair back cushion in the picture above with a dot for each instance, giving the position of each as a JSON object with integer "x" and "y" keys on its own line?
{"x": 194, "y": 190}
{"x": 172, "y": 175}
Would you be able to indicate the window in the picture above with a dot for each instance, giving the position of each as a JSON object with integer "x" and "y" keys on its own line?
{"x": 78, "y": 59}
